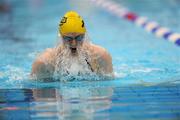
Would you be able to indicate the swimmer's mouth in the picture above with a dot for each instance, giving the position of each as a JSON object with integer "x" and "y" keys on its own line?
{"x": 73, "y": 50}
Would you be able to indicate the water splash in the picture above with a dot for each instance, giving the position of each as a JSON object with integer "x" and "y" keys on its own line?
{"x": 14, "y": 76}
{"x": 73, "y": 66}
{"x": 68, "y": 66}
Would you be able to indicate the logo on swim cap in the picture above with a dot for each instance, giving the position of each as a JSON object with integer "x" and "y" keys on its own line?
{"x": 72, "y": 22}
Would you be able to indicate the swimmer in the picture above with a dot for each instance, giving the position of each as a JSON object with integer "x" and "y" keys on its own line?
{"x": 74, "y": 55}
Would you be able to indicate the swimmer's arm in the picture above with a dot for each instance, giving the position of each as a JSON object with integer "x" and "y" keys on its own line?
{"x": 41, "y": 68}
{"x": 105, "y": 64}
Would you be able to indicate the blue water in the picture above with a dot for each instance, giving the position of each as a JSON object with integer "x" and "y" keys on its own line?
{"x": 147, "y": 68}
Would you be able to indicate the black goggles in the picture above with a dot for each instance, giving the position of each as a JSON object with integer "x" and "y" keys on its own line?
{"x": 77, "y": 38}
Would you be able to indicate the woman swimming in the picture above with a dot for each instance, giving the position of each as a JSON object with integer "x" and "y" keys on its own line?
{"x": 76, "y": 55}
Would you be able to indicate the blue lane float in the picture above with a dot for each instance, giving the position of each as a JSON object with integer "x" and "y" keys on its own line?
{"x": 150, "y": 26}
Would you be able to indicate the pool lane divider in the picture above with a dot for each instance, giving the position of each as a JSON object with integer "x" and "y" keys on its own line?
{"x": 150, "y": 26}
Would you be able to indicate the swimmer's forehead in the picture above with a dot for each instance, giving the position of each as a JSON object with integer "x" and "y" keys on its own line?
{"x": 72, "y": 34}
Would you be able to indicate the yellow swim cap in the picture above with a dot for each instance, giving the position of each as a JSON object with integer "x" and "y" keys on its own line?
{"x": 72, "y": 22}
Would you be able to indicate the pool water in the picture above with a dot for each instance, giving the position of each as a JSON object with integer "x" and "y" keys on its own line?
{"x": 147, "y": 68}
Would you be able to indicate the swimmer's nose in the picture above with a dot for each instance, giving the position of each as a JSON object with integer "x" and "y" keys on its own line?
{"x": 74, "y": 43}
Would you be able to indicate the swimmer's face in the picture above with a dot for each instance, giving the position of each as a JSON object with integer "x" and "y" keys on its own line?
{"x": 72, "y": 41}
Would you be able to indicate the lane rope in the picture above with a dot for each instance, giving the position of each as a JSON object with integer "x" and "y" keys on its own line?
{"x": 150, "y": 26}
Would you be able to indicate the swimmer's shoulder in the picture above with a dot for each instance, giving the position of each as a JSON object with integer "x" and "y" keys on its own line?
{"x": 47, "y": 55}
{"x": 100, "y": 51}
{"x": 104, "y": 58}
